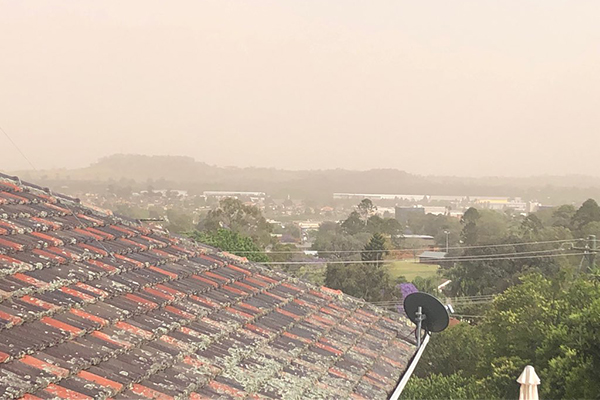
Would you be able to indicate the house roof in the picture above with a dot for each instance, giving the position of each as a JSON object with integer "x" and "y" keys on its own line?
{"x": 427, "y": 237}
{"x": 432, "y": 254}
{"x": 93, "y": 305}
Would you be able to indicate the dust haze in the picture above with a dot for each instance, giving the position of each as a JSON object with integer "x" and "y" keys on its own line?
{"x": 443, "y": 88}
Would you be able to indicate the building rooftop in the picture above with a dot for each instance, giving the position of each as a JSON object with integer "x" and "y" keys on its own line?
{"x": 94, "y": 305}
{"x": 433, "y": 254}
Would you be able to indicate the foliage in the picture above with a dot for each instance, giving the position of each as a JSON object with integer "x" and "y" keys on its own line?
{"x": 374, "y": 251}
{"x": 345, "y": 240}
{"x": 406, "y": 289}
{"x": 368, "y": 280}
{"x": 281, "y": 252}
{"x": 588, "y": 212}
{"x": 503, "y": 234}
{"x": 563, "y": 216}
{"x": 436, "y": 226}
{"x": 238, "y": 217}
{"x": 448, "y": 353}
{"x": 427, "y": 284}
{"x": 363, "y": 220}
{"x": 353, "y": 224}
{"x": 437, "y": 386}
{"x": 332, "y": 242}
{"x": 178, "y": 222}
{"x": 232, "y": 242}
{"x": 552, "y": 324}
{"x": 469, "y": 234}
{"x": 366, "y": 208}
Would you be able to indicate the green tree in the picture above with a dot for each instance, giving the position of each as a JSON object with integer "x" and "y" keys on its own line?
{"x": 444, "y": 387}
{"x": 238, "y": 217}
{"x": 591, "y": 228}
{"x": 375, "y": 250}
{"x": 232, "y": 242}
{"x": 571, "y": 348}
{"x": 469, "y": 234}
{"x": 333, "y": 242}
{"x": 391, "y": 227}
{"x": 349, "y": 278}
{"x": 492, "y": 226}
{"x": 459, "y": 348}
{"x": 179, "y": 221}
{"x": 427, "y": 285}
{"x": 282, "y": 252}
{"x": 563, "y": 216}
{"x": 587, "y": 213}
{"x": 353, "y": 224}
{"x": 366, "y": 209}
{"x": 368, "y": 280}
{"x": 531, "y": 227}
{"x": 374, "y": 224}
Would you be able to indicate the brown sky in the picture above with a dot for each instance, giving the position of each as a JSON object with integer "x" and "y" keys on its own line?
{"x": 434, "y": 87}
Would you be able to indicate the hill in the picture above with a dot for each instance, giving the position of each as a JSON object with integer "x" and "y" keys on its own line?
{"x": 187, "y": 173}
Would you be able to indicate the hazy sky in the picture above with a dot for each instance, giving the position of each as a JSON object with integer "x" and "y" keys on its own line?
{"x": 434, "y": 87}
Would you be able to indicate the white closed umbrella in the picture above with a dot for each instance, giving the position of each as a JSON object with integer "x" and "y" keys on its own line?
{"x": 529, "y": 382}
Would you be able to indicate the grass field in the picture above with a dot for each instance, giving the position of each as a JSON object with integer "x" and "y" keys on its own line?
{"x": 410, "y": 270}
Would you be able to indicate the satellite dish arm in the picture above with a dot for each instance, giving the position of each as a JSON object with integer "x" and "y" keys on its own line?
{"x": 409, "y": 371}
{"x": 420, "y": 318}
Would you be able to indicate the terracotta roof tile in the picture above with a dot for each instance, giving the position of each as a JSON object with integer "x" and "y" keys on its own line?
{"x": 93, "y": 305}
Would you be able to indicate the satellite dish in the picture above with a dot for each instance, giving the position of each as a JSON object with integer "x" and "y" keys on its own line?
{"x": 426, "y": 312}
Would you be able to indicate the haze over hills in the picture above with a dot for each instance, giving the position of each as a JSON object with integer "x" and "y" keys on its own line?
{"x": 186, "y": 173}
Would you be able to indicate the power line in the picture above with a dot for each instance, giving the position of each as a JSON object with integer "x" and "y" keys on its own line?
{"x": 500, "y": 254}
{"x": 458, "y": 259}
{"x": 82, "y": 225}
{"x": 445, "y": 301}
{"x": 471, "y": 297}
{"x": 17, "y": 147}
{"x": 457, "y": 304}
{"x": 403, "y": 250}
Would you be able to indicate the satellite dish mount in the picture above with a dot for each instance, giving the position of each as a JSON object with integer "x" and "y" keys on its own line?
{"x": 427, "y": 312}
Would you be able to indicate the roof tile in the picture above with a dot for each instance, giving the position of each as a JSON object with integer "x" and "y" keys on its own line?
{"x": 95, "y": 305}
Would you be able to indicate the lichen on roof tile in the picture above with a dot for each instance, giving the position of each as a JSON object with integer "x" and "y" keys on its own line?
{"x": 94, "y": 305}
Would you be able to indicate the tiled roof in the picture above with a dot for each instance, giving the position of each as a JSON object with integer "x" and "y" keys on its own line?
{"x": 432, "y": 254}
{"x": 93, "y": 305}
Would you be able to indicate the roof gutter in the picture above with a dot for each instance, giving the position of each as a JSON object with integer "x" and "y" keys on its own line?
{"x": 410, "y": 369}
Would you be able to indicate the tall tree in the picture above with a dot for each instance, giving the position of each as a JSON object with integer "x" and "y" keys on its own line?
{"x": 588, "y": 212}
{"x": 368, "y": 280}
{"x": 333, "y": 242}
{"x": 353, "y": 224}
{"x": 366, "y": 208}
{"x": 232, "y": 242}
{"x": 551, "y": 324}
{"x": 178, "y": 221}
{"x": 238, "y": 217}
{"x": 531, "y": 227}
{"x": 469, "y": 231}
{"x": 563, "y": 216}
{"x": 375, "y": 250}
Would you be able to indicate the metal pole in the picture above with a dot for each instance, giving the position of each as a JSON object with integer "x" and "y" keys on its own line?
{"x": 411, "y": 367}
{"x": 420, "y": 318}
{"x": 447, "y": 233}
{"x": 593, "y": 249}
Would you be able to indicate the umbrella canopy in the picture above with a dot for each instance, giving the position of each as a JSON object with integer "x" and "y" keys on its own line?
{"x": 529, "y": 382}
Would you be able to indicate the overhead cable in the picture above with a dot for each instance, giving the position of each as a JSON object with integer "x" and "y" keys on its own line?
{"x": 403, "y": 250}
{"x": 457, "y": 259}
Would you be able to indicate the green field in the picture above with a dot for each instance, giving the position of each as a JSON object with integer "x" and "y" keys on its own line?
{"x": 411, "y": 269}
